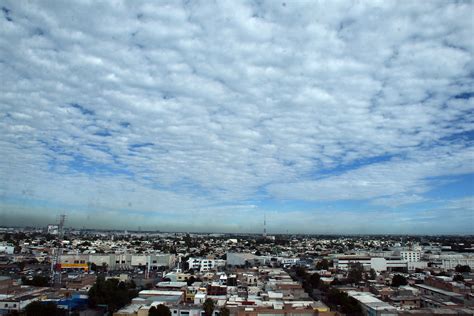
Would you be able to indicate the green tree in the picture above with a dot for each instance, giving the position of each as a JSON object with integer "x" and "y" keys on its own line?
{"x": 372, "y": 275}
{"x": 300, "y": 272}
{"x": 322, "y": 265}
{"x": 159, "y": 310}
{"x": 37, "y": 280}
{"x": 355, "y": 273}
{"x": 463, "y": 269}
{"x": 224, "y": 311}
{"x": 399, "y": 280}
{"x": 315, "y": 280}
{"x": 21, "y": 265}
{"x": 346, "y": 304}
{"x": 43, "y": 309}
{"x": 191, "y": 280}
{"x": 208, "y": 307}
{"x": 458, "y": 278}
{"x": 112, "y": 293}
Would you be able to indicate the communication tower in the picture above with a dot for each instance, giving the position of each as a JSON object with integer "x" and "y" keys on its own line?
{"x": 56, "y": 262}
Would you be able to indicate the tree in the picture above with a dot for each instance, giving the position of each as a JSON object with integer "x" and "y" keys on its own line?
{"x": 111, "y": 292}
{"x": 315, "y": 280}
{"x": 346, "y": 304}
{"x": 224, "y": 311}
{"x": 191, "y": 280}
{"x": 463, "y": 269}
{"x": 21, "y": 265}
{"x": 322, "y": 265}
{"x": 398, "y": 280}
{"x": 372, "y": 275}
{"x": 458, "y": 278}
{"x": 300, "y": 272}
{"x": 355, "y": 273}
{"x": 208, "y": 307}
{"x": 43, "y": 309}
{"x": 159, "y": 310}
{"x": 37, "y": 280}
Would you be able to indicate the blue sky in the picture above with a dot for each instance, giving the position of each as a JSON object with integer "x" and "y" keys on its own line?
{"x": 329, "y": 117}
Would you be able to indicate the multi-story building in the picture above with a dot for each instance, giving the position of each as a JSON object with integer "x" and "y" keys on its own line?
{"x": 7, "y": 249}
{"x": 410, "y": 256}
{"x": 118, "y": 261}
{"x": 205, "y": 265}
{"x": 376, "y": 263}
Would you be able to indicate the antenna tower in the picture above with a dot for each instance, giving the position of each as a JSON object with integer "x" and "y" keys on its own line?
{"x": 264, "y": 225}
{"x": 56, "y": 262}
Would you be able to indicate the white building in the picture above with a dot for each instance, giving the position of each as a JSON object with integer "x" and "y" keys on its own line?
{"x": 205, "y": 265}
{"x": 7, "y": 249}
{"x": 452, "y": 263}
{"x": 122, "y": 261}
{"x": 200, "y": 298}
{"x": 371, "y": 305}
{"x": 410, "y": 256}
{"x": 376, "y": 263}
{"x": 53, "y": 229}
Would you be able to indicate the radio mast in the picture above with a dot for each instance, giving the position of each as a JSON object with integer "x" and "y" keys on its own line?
{"x": 56, "y": 262}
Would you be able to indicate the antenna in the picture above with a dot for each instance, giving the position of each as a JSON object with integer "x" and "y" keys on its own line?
{"x": 56, "y": 262}
{"x": 264, "y": 224}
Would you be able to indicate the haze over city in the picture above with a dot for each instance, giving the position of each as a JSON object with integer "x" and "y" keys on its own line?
{"x": 327, "y": 117}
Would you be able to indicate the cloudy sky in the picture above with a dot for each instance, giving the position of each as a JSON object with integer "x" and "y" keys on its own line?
{"x": 327, "y": 116}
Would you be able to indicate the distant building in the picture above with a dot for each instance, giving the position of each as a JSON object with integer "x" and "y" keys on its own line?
{"x": 119, "y": 261}
{"x": 410, "y": 256}
{"x": 376, "y": 263}
{"x": 371, "y": 305}
{"x": 53, "y": 229}
{"x": 242, "y": 259}
{"x": 204, "y": 265}
{"x": 7, "y": 249}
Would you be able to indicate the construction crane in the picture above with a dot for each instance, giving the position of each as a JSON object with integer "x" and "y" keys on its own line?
{"x": 56, "y": 262}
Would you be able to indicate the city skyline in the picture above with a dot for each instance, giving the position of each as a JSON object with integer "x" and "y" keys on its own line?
{"x": 328, "y": 117}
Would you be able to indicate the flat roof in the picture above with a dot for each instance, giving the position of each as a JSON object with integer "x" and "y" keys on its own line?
{"x": 370, "y": 300}
{"x": 159, "y": 292}
{"x": 435, "y": 289}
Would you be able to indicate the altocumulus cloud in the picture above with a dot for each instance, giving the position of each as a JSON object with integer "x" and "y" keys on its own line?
{"x": 331, "y": 116}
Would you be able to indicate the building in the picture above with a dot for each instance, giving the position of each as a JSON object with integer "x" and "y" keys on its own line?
{"x": 7, "y": 249}
{"x": 376, "y": 263}
{"x": 410, "y": 256}
{"x": 53, "y": 229}
{"x": 372, "y": 306}
{"x": 205, "y": 265}
{"x": 123, "y": 261}
{"x": 243, "y": 259}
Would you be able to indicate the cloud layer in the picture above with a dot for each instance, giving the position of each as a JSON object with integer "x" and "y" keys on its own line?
{"x": 216, "y": 111}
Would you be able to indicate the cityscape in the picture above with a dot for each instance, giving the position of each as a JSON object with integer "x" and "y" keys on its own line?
{"x": 92, "y": 272}
{"x": 236, "y": 158}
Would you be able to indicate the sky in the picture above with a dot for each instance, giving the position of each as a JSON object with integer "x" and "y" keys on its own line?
{"x": 325, "y": 117}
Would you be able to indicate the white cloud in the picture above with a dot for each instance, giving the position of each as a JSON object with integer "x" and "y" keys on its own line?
{"x": 192, "y": 105}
